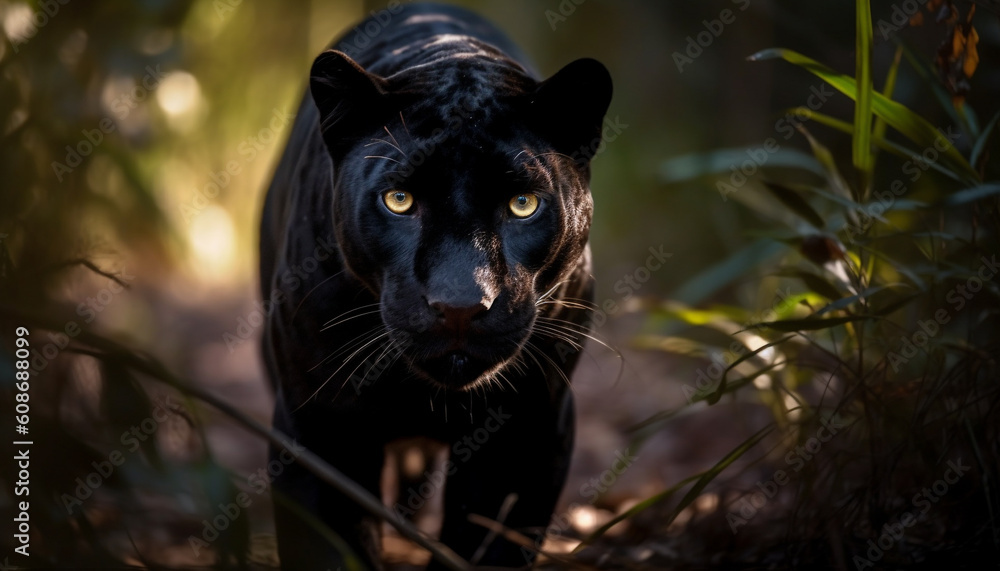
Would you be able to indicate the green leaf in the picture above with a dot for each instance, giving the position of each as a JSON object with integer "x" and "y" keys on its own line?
{"x": 887, "y": 91}
{"x": 814, "y": 282}
{"x": 794, "y": 202}
{"x": 862, "y": 143}
{"x": 717, "y": 394}
{"x": 880, "y": 141}
{"x": 811, "y": 324}
{"x": 701, "y": 481}
{"x": 931, "y": 78}
{"x": 972, "y": 194}
{"x": 825, "y": 158}
{"x": 695, "y": 165}
{"x": 711, "y": 280}
{"x": 645, "y": 427}
{"x": 846, "y": 302}
{"x": 984, "y": 138}
{"x": 907, "y": 122}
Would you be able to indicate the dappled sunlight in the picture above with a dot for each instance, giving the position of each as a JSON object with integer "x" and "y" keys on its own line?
{"x": 212, "y": 238}
{"x": 179, "y": 95}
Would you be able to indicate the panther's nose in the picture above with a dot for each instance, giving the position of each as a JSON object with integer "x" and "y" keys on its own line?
{"x": 457, "y": 318}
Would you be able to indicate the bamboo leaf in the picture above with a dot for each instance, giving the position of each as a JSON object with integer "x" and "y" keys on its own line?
{"x": 825, "y": 158}
{"x": 695, "y": 165}
{"x": 794, "y": 202}
{"x": 701, "y": 481}
{"x": 846, "y": 302}
{"x": 887, "y": 90}
{"x": 907, "y": 122}
{"x": 723, "y": 273}
{"x": 879, "y": 141}
{"x": 811, "y": 324}
{"x": 717, "y": 394}
{"x": 984, "y": 138}
{"x": 862, "y": 143}
{"x": 972, "y": 194}
{"x": 814, "y": 282}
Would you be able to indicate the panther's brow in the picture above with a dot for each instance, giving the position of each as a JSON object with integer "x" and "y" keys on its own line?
{"x": 533, "y": 166}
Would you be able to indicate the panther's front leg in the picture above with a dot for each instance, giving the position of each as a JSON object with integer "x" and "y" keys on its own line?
{"x": 516, "y": 452}
{"x": 316, "y": 525}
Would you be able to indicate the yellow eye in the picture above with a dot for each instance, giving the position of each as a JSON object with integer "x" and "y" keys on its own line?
{"x": 523, "y": 205}
{"x": 398, "y": 201}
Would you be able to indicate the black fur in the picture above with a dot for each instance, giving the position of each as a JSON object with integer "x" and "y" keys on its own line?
{"x": 456, "y": 321}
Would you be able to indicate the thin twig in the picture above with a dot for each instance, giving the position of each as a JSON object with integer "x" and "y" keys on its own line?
{"x": 306, "y": 458}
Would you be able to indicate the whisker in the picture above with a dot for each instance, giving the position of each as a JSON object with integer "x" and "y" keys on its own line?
{"x": 551, "y": 362}
{"x": 349, "y": 311}
{"x": 564, "y": 325}
{"x": 348, "y": 347}
{"x": 346, "y": 361}
{"x": 403, "y": 121}
{"x": 303, "y": 300}
{"x": 346, "y": 319}
{"x": 394, "y": 138}
{"x": 382, "y": 157}
{"x": 383, "y": 142}
{"x": 552, "y": 290}
{"x": 384, "y": 347}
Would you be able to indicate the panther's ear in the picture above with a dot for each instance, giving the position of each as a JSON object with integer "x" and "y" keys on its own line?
{"x": 569, "y": 107}
{"x": 348, "y": 97}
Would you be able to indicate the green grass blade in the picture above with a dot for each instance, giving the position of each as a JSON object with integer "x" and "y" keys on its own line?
{"x": 695, "y": 165}
{"x": 862, "y": 144}
{"x": 907, "y": 122}
{"x": 880, "y": 142}
{"x": 817, "y": 284}
{"x": 825, "y": 158}
{"x": 701, "y": 481}
{"x": 717, "y": 394}
{"x": 984, "y": 138}
{"x": 810, "y": 324}
{"x": 930, "y": 77}
{"x": 887, "y": 90}
{"x": 972, "y": 194}
{"x": 794, "y": 202}
{"x": 714, "y": 278}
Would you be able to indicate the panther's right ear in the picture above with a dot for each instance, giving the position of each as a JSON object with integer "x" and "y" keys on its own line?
{"x": 348, "y": 97}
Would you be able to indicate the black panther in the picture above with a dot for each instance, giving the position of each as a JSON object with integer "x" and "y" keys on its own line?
{"x": 452, "y": 185}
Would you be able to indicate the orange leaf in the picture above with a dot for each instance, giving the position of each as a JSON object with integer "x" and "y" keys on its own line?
{"x": 971, "y": 53}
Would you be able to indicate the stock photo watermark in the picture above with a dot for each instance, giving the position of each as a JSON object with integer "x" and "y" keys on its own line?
{"x": 958, "y": 297}
{"x": 922, "y": 502}
{"x": 291, "y": 280}
{"x": 915, "y": 167}
{"x": 758, "y": 156}
{"x": 696, "y": 44}
{"x": 258, "y": 482}
{"x": 131, "y": 441}
{"x": 121, "y": 106}
{"x": 749, "y": 505}
{"x": 248, "y": 150}
{"x": 461, "y": 452}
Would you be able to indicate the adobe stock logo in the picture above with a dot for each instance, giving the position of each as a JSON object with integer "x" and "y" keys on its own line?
{"x": 698, "y": 43}
{"x": 893, "y": 532}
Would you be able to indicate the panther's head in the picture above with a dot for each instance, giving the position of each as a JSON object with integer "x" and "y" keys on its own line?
{"x": 461, "y": 195}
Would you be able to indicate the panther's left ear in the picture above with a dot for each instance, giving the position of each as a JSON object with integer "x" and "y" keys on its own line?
{"x": 569, "y": 107}
{"x": 349, "y": 98}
